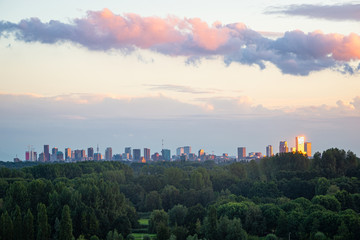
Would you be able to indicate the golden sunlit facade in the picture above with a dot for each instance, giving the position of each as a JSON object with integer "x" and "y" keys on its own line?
{"x": 300, "y": 144}
{"x": 308, "y": 148}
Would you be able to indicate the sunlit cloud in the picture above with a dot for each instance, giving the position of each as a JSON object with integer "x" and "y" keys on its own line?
{"x": 346, "y": 11}
{"x": 294, "y": 52}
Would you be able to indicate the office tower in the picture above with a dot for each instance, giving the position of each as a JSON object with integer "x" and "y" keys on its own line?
{"x": 187, "y": 150}
{"x": 46, "y": 153}
{"x": 308, "y": 148}
{"x": 42, "y": 157}
{"x": 147, "y": 154}
{"x": 155, "y": 156}
{"x": 293, "y": 149}
{"x": 128, "y": 151}
{"x": 108, "y": 154}
{"x": 201, "y": 153}
{"x": 67, "y": 154}
{"x": 180, "y": 151}
{"x": 30, "y": 156}
{"x": 241, "y": 153}
{"x": 299, "y": 144}
{"x": 90, "y": 152}
{"x": 269, "y": 151}
{"x": 136, "y": 154}
{"x": 192, "y": 156}
{"x": 166, "y": 154}
{"x": 59, "y": 156}
{"x": 54, "y": 150}
{"x": 78, "y": 154}
{"x": 97, "y": 156}
{"x": 283, "y": 147}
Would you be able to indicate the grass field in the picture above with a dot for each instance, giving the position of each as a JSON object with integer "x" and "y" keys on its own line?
{"x": 139, "y": 236}
{"x": 144, "y": 221}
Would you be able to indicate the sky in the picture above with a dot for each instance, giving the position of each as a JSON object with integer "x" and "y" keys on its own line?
{"x": 215, "y": 75}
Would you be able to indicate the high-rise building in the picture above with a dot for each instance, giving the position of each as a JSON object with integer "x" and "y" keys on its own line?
{"x": 187, "y": 150}
{"x": 180, "y": 151}
{"x": 283, "y": 147}
{"x": 90, "y": 152}
{"x": 299, "y": 144}
{"x": 59, "y": 156}
{"x": 30, "y": 156}
{"x": 97, "y": 156}
{"x": 308, "y": 148}
{"x": 54, "y": 150}
{"x": 269, "y": 151}
{"x": 147, "y": 155}
{"x": 166, "y": 154}
{"x": 67, "y": 154}
{"x": 108, "y": 154}
{"x": 128, "y": 151}
{"x": 136, "y": 154}
{"x": 241, "y": 153}
{"x": 46, "y": 153}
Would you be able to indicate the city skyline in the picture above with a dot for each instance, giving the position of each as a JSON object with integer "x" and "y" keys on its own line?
{"x": 207, "y": 74}
{"x": 135, "y": 155}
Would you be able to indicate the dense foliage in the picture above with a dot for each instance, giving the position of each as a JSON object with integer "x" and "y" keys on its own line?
{"x": 283, "y": 196}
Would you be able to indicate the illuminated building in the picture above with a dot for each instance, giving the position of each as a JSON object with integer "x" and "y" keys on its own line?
{"x": 147, "y": 155}
{"x": 108, "y": 154}
{"x": 187, "y": 150}
{"x": 299, "y": 144}
{"x": 128, "y": 151}
{"x": 97, "y": 156}
{"x": 67, "y": 153}
{"x": 136, "y": 154}
{"x": 293, "y": 149}
{"x": 155, "y": 156}
{"x": 143, "y": 160}
{"x": 283, "y": 147}
{"x": 241, "y": 153}
{"x": 308, "y": 148}
{"x": 269, "y": 151}
{"x": 180, "y": 151}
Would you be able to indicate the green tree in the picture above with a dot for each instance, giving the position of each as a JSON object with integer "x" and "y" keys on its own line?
{"x": 271, "y": 236}
{"x": 66, "y": 228}
{"x": 211, "y": 224}
{"x": 6, "y": 227}
{"x": 162, "y": 231}
{"x": 177, "y": 215}
{"x": 153, "y": 201}
{"x": 43, "y": 227}
{"x": 157, "y": 217}
{"x": 28, "y": 231}
{"x": 18, "y": 223}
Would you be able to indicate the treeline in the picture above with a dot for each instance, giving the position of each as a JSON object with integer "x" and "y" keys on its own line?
{"x": 280, "y": 196}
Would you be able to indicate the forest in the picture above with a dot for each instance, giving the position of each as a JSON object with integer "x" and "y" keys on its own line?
{"x": 286, "y": 196}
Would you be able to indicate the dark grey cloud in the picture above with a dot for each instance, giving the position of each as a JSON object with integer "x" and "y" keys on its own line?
{"x": 295, "y": 52}
{"x": 340, "y": 12}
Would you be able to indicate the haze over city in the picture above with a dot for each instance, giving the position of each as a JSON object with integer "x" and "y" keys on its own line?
{"x": 208, "y": 74}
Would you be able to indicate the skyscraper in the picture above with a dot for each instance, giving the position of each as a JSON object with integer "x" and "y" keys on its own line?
{"x": 241, "y": 153}
{"x": 283, "y": 147}
{"x": 136, "y": 154}
{"x": 299, "y": 144}
{"x": 166, "y": 154}
{"x": 308, "y": 148}
{"x": 90, "y": 152}
{"x": 147, "y": 155}
{"x": 180, "y": 151}
{"x": 46, "y": 153}
{"x": 67, "y": 154}
{"x": 128, "y": 151}
{"x": 269, "y": 151}
{"x": 187, "y": 150}
{"x": 108, "y": 154}
{"x": 54, "y": 150}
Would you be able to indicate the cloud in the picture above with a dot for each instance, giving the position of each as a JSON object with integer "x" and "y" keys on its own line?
{"x": 340, "y": 12}
{"x": 179, "y": 88}
{"x": 295, "y": 52}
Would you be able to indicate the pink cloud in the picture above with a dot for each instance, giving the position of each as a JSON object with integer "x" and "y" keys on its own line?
{"x": 295, "y": 52}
